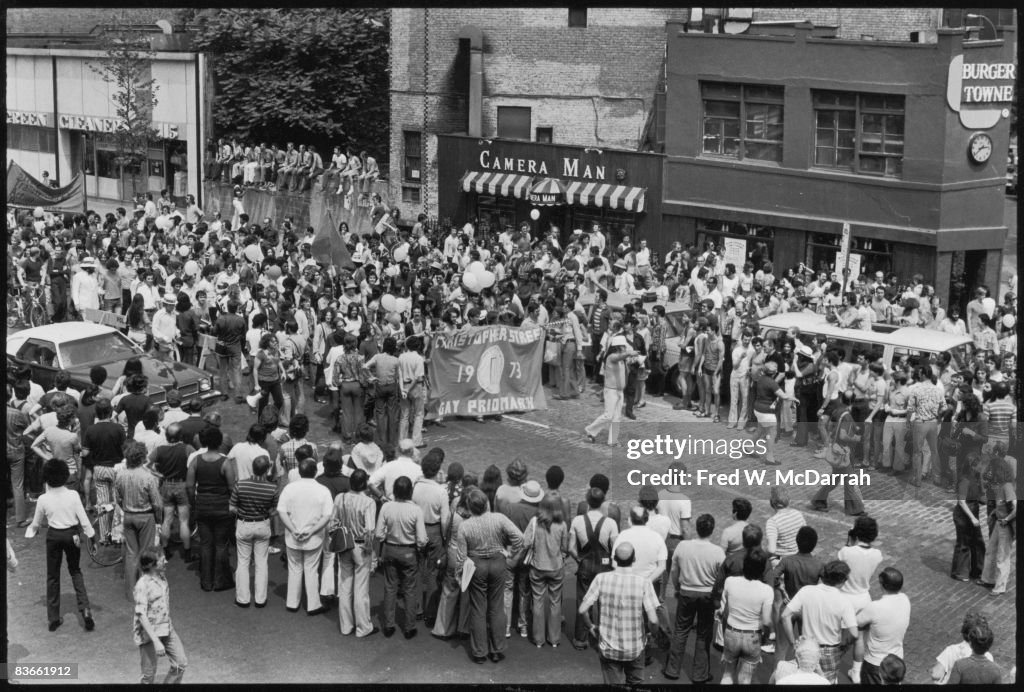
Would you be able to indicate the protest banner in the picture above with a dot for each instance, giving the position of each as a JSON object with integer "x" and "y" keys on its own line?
{"x": 483, "y": 371}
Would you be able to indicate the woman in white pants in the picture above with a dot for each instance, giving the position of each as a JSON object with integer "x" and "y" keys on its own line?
{"x": 618, "y": 352}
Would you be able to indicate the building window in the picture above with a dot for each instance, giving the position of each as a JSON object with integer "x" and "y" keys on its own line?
{"x": 743, "y": 121}
{"x": 30, "y": 138}
{"x": 859, "y": 132}
{"x": 413, "y": 155}
{"x": 514, "y": 122}
{"x": 545, "y": 135}
{"x": 578, "y": 17}
{"x": 495, "y": 214}
{"x": 759, "y": 241}
{"x": 822, "y": 249}
{"x": 410, "y": 195}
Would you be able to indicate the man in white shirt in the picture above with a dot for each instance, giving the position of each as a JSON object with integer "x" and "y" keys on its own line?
{"x": 165, "y": 329}
{"x": 85, "y": 288}
{"x": 885, "y": 623}
{"x": 411, "y": 384}
{"x": 305, "y": 507}
{"x": 432, "y": 499}
{"x": 382, "y": 481}
{"x": 643, "y": 262}
{"x": 826, "y": 616}
{"x": 651, "y": 553}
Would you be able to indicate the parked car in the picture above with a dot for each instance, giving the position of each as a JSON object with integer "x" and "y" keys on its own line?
{"x": 78, "y": 346}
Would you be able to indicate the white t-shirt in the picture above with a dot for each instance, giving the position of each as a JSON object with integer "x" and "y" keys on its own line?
{"x": 749, "y": 602}
{"x": 244, "y": 453}
{"x": 863, "y": 562}
{"x": 887, "y": 620}
{"x": 825, "y": 613}
{"x": 677, "y": 507}
{"x": 648, "y": 547}
{"x": 660, "y": 525}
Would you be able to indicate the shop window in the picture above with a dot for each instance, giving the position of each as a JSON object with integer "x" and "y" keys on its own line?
{"x": 578, "y": 17}
{"x": 106, "y": 164}
{"x": 545, "y": 135}
{"x": 743, "y": 121}
{"x": 875, "y": 255}
{"x": 410, "y": 195}
{"x": 497, "y": 213}
{"x": 413, "y": 151}
{"x": 514, "y": 122}
{"x": 759, "y": 241}
{"x": 29, "y": 138}
{"x": 862, "y": 133}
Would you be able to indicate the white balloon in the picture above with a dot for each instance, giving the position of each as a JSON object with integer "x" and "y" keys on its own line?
{"x": 388, "y": 302}
{"x": 402, "y": 305}
{"x": 534, "y": 214}
{"x": 475, "y": 268}
{"x": 192, "y": 268}
{"x": 252, "y": 253}
{"x": 401, "y": 252}
{"x": 392, "y": 270}
{"x": 471, "y": 282}
{"x": 487, "y": 279}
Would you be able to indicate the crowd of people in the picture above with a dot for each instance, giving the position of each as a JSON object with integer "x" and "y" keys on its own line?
{"x": 290, "y": 331}
{"x": 269, "y": 167}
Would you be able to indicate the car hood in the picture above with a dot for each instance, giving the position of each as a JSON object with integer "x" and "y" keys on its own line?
{"x": 162, "y": 375}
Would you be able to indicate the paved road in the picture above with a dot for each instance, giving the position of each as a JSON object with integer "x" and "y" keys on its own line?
{"x": 228, "y": 644}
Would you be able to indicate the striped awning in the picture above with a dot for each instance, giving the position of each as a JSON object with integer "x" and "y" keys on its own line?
{"x": 608, "y": 196}
{"x": 500, "y": 184}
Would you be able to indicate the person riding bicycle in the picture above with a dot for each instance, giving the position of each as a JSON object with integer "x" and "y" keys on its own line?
{"x": 32, "y": 279}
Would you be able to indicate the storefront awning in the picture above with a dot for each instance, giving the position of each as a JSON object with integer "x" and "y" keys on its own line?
{"x": 500, "y": 184}
{"x": 608, "y": 196}
{"x": 547, "y": 192}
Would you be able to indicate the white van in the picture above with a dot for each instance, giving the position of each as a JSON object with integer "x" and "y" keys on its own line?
{"x": 890, "y": 343}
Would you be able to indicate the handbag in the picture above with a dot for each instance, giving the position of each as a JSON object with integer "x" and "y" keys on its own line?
{"x": 526, "y": 558}
{"x": 836, "y": 454}
{"x": 552, "y": 352}
{"x": 341, "y": 538}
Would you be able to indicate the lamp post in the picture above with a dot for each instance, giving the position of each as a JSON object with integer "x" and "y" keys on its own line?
{"x": 995, "y": 32}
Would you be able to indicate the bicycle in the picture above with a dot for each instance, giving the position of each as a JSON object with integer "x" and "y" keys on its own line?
{"x": 36, "y": 309}
{"x": 27, "y": 310}
{"x": 15, "y": 307}
{"x": 102, "y": 550}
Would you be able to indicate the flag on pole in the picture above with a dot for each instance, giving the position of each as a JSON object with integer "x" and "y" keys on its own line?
{"x": 329, "y": 248}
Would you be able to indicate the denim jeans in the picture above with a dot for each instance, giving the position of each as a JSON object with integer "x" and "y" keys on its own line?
{"x": 969, "y": 551}
{"x": 139, "y": 534}
{"x": 487, "y": 614}
{"x": 623, "y": 672}
{"x": 214, "y": 536}
{"x": 252, "y": 545}
{"x": 411, "y": 418}
{"x": 60, "y": 543}
{"x": 694, "y": 611}
{"x": 567, "y": 372}
{"x": 17, "y": 466}
{"x": 351, "y": 396}
{"x": 386, "y": 414}
{"x": 742, "y": 654}
{"x": 401, "y": 572}
{"x": 547, "y": 605}
{"x": 175, "y": 654}
{"x": 428, "y": 587}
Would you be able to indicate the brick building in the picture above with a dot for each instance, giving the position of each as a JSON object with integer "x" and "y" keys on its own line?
{"x": 583, "y": 78}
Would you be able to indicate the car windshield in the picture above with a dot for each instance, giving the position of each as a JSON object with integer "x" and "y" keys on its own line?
{"x": 674, "y": 324}
{"x": 102, "y": 348}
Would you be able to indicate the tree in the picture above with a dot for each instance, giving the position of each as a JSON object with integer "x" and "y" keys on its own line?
{"x": 314, "y": 76}
{"x": 128, "y": 65}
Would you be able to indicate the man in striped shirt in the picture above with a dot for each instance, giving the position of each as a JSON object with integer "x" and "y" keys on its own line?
{"x": 253, "y": 501}
{"x": 1001, "y": 413}
{"x": 624, "y": 597}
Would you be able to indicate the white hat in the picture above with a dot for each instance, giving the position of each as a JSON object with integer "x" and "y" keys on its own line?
{"x": 578, "y": 231}
{"x": 620, "y": 264}
{"x": 618, "y": 340}
{"x": 531, "y": 492}
{"x": 88, "y": 262}
{"x": 804, "y": 350}
{"x": 169, "y": 299}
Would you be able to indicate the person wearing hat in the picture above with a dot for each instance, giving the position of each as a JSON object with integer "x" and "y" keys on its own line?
{"x": 517, "y": 575}
{"x": 618, "y": 352}
{"x": 165, "y": 329}
{"x": 85, "y": 288}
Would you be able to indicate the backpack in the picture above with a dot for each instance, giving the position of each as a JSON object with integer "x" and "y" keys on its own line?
{"x": 596, "y": 557}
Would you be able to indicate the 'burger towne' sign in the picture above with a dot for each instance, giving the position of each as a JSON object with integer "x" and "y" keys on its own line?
{"x": 980, "y": 92}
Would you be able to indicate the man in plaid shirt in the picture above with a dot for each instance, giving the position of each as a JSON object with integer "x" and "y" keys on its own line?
{"x": 624, "y": 597}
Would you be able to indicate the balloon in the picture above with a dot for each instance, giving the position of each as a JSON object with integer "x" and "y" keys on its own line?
{"x": 401, "y": 252}
{"x": 38, "y": 212}
{"x": 252, "y": 253}
{"x": 402, "y": 305}
{"x": 192, "y": 268}
{"x": 393, "y": 270}
{"x": 388, "y": 302}
{"x": 475, "y": 268}
{"x": 184, "y": 250}
{"x": 471, "y": 282}
{"x": 534, "y": 214}
{"x": 487, "y": 279}
{"x": 274, "y": 272}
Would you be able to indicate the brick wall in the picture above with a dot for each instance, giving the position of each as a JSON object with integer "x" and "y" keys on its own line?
{"x": 592, "y": 86}
{"x": 883, "y": 23}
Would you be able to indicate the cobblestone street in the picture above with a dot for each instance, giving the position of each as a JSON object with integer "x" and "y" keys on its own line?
{"x": 227, "y": 644}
